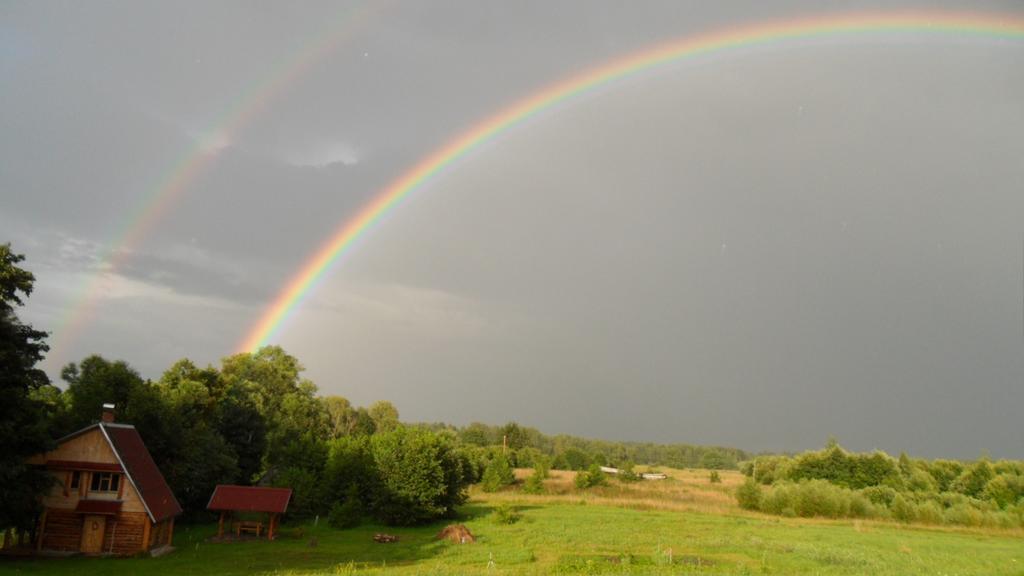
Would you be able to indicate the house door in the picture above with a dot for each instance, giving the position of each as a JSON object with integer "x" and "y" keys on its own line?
{"x": 92, "y": 534}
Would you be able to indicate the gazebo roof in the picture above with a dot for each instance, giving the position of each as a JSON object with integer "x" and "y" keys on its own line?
{"x": 250, "y": 499}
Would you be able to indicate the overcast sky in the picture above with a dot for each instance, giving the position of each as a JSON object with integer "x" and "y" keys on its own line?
{"x": 761, "y": 247}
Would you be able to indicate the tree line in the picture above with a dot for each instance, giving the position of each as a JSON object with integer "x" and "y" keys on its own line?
{"x": 833, "y": 482}
{"x": 254, "y": 419}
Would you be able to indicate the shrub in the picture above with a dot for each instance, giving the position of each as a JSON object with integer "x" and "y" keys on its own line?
{"x": 420, "y": 476}
{"x": 497, "y": 475}
{"x": 748, "y": 495}
{"x": 861, "y": 507}
{"x": 592, "y": 477}
{"x": 627, "y": 473}
{"x": 345, "y": 514}
{"x": 778, "y": 499}
{"x": 533, "y": 485}
{"x": 505, "y": 513}
{"x": 928, "y": 512}
{"x": 880, "y": 495}
{"x": 964, "y": 515}
{"x": 1001, "y": 490}
{"x": 902, "y": 510}
{"x": 349, "y": 464}
{"x": 820, "y": 498}
{"x": 714, "y": 477}
{"x": 973, "y": 480}
{"x": 572, "y": 459}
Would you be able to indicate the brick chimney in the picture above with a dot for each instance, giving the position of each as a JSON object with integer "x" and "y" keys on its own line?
{"x": 108, "y": 413}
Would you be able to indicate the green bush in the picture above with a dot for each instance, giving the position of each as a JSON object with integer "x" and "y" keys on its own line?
{"x": 880, "y": 495}
{"x": 748, "y": 495}
{"x": 592, "y": 477}
{"x": 505, "y": 513}
{"x": 963, "y": 515}
{"x": 345, "y": 514}
{"x": 861, "y": 507}
{"x": 973, "y": 480}
{"x": 533, "y": 485}
{"x": 498, "y": 474}
{"x": 780, "y": 497}
{"x": 714, "y": 477}
{"x": 928, "y": 512}
{"x": 820, "y": 498}
{"x": 627, "y": 473}
{"x": 902, "y": 510}
{"x": 420, "y": 476}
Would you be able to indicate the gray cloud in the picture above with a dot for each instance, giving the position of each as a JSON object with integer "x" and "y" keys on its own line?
{"x": 759, "y": 247}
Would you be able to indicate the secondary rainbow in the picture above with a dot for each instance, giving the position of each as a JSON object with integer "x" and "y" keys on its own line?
{"x": 161, "y": 199}
{"x": 928, "y": 22}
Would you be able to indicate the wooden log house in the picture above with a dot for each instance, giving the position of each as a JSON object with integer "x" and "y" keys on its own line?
{"x": 109, "y": 496}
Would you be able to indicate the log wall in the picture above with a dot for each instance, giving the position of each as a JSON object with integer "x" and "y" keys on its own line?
{"x": 63, "y": 530}
{"x": 124, "y": 533}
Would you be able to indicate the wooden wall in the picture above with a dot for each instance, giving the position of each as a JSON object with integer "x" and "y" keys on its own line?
{"x": 63, "y": 530}
{"x": 126, "y": 529}
{"x": 124, "y": 533}
{"x": 89, "y": 447}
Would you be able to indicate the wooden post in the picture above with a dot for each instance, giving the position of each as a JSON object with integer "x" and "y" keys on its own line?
{"x": 146, "y": 527}
{"x": 170, "y": 533}
{"x": 220, "y": 525}
{"x": 42, "y": 530}
{"x": 270, "y": 530}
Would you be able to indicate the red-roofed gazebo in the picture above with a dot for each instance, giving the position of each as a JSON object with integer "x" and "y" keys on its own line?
{"x": 271, "y": 501}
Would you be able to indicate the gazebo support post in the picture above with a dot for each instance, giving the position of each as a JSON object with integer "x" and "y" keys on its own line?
{"x": 220, "y": 525}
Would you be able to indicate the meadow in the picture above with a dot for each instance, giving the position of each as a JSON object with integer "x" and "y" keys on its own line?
{"x": 682, "y": 525}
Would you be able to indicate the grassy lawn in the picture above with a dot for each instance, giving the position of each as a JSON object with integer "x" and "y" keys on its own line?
{"x": 682, "y": 525}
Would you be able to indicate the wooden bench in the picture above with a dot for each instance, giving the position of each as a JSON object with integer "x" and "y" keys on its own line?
{"x": 248, "y": 526}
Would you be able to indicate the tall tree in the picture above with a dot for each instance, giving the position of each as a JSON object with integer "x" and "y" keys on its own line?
{"x": 95, "y": 381}
{"x": 23, "y": 418}
{"x": 385, "y": 415}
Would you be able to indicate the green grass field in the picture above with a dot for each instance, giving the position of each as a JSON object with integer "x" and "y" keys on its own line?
{"x": 682, "y": 525}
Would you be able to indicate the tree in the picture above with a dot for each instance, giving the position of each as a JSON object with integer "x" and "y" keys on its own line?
{"x": 296, "y": 420}
{"x": 384, "y": 415}
{"x": 340, "y": 416}
{"x": 593, "y": 476}
{"x": 477, "y": 434}
{"x": 749, "y": 494}
{"x": 421, "y": 476}
{"x": 515, "y": 436}
{"x": 23, "y": 417}
{"x": 94, "y": 382}
{"x": 497, "y": 474}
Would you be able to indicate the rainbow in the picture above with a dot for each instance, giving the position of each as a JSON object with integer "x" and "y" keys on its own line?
{"x": 155, "y": 205}
{"x": 314, "y": 269}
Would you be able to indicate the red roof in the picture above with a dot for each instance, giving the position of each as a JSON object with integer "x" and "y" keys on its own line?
{"x": 250, "y": 499}
{"x": 110, "y": 507}
{"x": 142, "y": 471}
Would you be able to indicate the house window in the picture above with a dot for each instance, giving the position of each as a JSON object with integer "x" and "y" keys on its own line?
{"x": 76, "y": 478}
{"x": 104, "y": 482}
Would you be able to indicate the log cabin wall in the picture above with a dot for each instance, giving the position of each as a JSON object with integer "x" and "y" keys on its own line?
{"x": 63, "y": 530}
{"x": 124, "y": 533}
